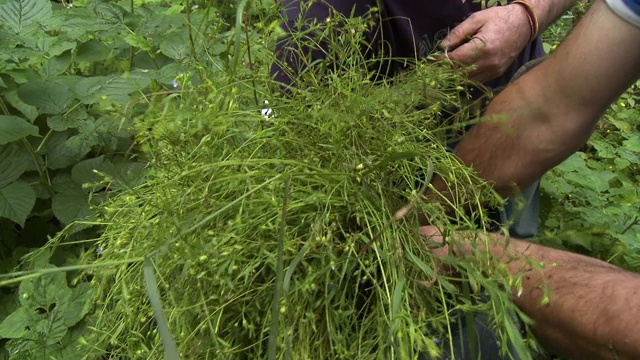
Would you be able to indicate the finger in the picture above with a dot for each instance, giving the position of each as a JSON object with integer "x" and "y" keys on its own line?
{"x": 461, "y": 33}
{"x": 469, "y": 52}
{"x": 429, "y": 231}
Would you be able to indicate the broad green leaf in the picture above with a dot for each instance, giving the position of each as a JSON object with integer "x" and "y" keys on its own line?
{"x": 20, "y": 15}
{"x": 70, "y": 207}
{"x": 108, "y": 11}
{"x": 14, "y": 128}
{"x": 93, "y": 51}
{"x": 57, "y": 65}
{"x": 15, "y": 325}
{"x": 58, "y": 153}
{"x": 14, "y": 161}
{"x": 86, "y": 139}
{"x": 116, "y": 89}
{"x": 175, "y": 46}
{"x": 21, "y": 76}
{"x": 633, "y": 144}
{"x": 84, "y": 171}
{"x": 53, "y": 328}
{"x": 16, "y": 201}
{"x": 72, "y": 120}
{"x": 138, "y": 42}
{"x": 170, "y": 72}
{"x": 78, "y": 304}
{"x": 63, "y": 183}
{"x": 45, "y": 290}
{"x": 59, "y": 47}
{"x": 48, "y": 97}
{"x": 29, "y": 111}
{"x": 8, "y": 40}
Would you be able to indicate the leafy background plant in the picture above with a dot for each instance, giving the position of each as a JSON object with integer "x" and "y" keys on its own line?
{"x": 76, "y": 76}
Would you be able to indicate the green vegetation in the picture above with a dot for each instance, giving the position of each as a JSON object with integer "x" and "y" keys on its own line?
{"x": 149, "y": 210}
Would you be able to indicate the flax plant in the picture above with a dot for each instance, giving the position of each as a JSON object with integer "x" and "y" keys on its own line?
{"x": 273, "y": 238}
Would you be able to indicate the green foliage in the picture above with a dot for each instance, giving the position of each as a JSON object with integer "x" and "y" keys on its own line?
{"x": 249, "y": 237}
{"x": 72, "y": 78}
{"x": 272, "y": 237}
{"x": 48, "y": 320}
{"x": 592, "y": 199}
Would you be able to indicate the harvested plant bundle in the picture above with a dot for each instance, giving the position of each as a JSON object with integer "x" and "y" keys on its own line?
{"x": 238, "y": 211}
{"x": 272, "y": 238}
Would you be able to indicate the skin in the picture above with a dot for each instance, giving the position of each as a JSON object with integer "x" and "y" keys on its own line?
{"x": 593, "y": 306}
{"x": 550, "y": 112}
{"x": 491, "y": 39}
{"x": 534, "y": 124}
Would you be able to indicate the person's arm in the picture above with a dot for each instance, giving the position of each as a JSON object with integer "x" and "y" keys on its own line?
{"x": 551, "y": 111}
{"x": 492, "y": 38}
{"x": 593, "y": 307}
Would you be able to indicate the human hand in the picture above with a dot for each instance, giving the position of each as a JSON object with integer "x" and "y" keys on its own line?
{"x": 435, "y": 239}
{"x": 490, "y": 40}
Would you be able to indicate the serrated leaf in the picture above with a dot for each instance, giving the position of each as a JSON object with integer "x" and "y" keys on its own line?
{"x": 49, "y": 97}
{"x": 138, "y": 42}
{"x": 108, "y": 11}
{"x": 175, "y": 47}
{"x": 116, "y": 89}
{"x": 84, "y": 171}
{"x": 59, "y": 47}
{"x": 14, "y": 161}
{"x": 21, "y": 76}
{"x": 14, "y": 128}
{"x": 15, "y": 325}
{"x": 16, "y": 201}
{"x": 44, "y": 291}
{"x": 633, "y": 144}
{"x": 57, "y": 65}
{"x": 93, "y": 51}
{"x": 87, "y": 138}
{"x": 20, "y": 15}
{"x": 72, "y": 120}
{"x": 58, "y": 154}
{"x": 29, "y": 111}
{"x": 170, "y": 72}
{"x": 53, "y": 328}
{"x": 71, "y": 206}
{"x": 78, "y": 304}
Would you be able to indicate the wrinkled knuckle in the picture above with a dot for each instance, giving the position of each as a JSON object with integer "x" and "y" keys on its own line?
{"x": 457, "y": 32}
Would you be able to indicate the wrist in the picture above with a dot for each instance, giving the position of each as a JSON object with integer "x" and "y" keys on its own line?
{"x": 531, "y": 15}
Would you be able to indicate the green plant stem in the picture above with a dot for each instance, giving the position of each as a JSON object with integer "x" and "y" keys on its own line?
{"x": 4, "y": 108}
{"x": 238, "y": 30}
{"x": 631, "y": 224}
{"x": 19, "y": 276}
{"x": 277, "y": 294}
{"x": 170, "y": 349}
{"x": 253, "y": 80}
{"x": 192, "y": 43}
{"x": 42, "y": 171}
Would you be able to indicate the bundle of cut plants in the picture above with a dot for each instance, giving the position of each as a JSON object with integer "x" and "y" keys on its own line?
{"x": 279, "y": 237}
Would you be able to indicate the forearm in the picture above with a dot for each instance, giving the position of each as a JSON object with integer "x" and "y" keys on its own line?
{"x": 550, "y": 112}
{"x": 592, "y": 308}
{"x": 548, "y": 11}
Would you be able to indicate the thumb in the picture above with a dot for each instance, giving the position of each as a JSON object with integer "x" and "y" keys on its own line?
{"x": 461, "y": 33}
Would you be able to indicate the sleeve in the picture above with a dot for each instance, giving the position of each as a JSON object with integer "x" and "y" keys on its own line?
{"x": 626, "y": 9}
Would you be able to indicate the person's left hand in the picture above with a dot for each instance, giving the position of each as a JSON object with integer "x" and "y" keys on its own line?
{"x": 490, "y": 40}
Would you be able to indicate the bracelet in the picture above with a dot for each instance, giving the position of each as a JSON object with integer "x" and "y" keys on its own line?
{"x": 531, "y": 15}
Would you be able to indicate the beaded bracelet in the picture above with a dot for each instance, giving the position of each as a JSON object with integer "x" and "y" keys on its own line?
{"x": 531, "y": 15}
